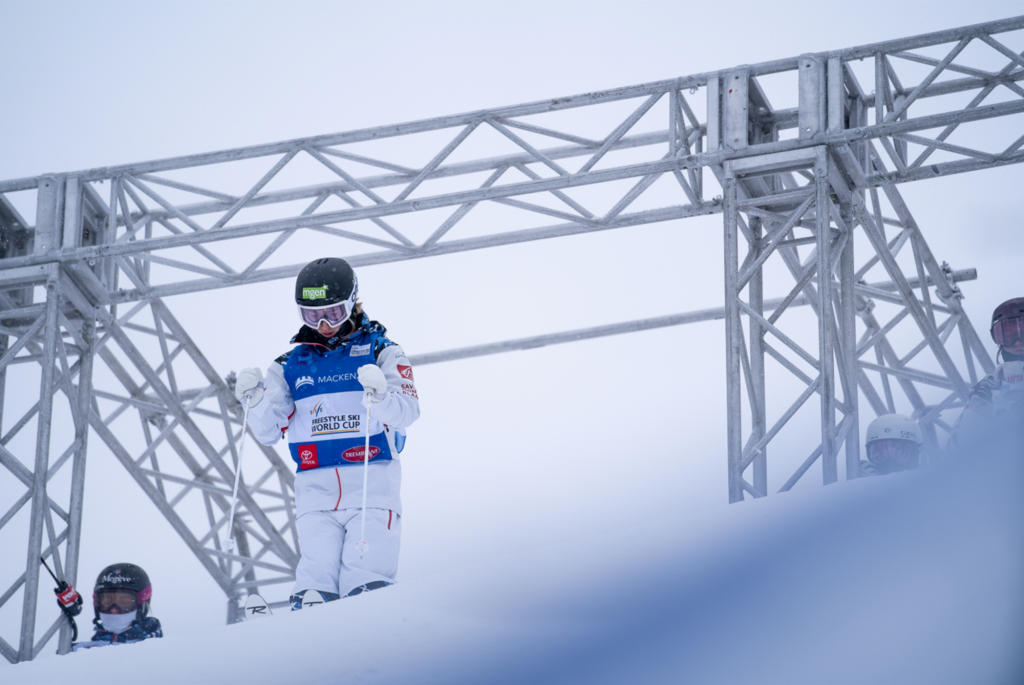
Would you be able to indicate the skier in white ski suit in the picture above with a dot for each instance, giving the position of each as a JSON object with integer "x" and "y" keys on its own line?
{"x": 893, "y": 443}
{"x": 993, "y": 418}
{"x": 315, "y": 393}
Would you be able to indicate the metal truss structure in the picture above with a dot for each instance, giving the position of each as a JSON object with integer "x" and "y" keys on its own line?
{"x": 803, "y": 158}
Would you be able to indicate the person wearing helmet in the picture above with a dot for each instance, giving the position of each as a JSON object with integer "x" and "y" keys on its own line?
{"x": 315, "y": 394}
{"x": 121, "y": 601}
{"x": 993, "y": 417}
{"x": 893, "y": 443}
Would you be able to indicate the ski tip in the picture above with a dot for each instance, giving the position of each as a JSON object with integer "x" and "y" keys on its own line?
{"x": 312, "y": 598}
{"x": 256, "y": 607}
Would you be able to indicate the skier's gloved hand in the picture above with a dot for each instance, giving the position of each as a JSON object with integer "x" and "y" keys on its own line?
{"x": 982, "y": 392}
{"x": 372, "y": 378}
{"x": 249, "y": 384}
{"x": 68, "y": 599}
{"x": 867, "y": 468}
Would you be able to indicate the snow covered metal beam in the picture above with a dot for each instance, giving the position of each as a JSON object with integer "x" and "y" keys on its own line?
{"x": 713, "y": 314}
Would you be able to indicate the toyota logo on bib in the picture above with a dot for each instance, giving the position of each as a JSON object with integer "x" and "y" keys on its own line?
{"x": 307, "y": 457}
{"x": 356, "y": 453}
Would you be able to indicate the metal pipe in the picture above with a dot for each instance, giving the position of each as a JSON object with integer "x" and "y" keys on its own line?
{"x": 848, "y": 334}
{"x": 759, "y": 418}
{"x": 78, "y": 471}
{"x": 39, "y": 497}
{"x": 826, "y": 367}
{"x": 734, "y": 396}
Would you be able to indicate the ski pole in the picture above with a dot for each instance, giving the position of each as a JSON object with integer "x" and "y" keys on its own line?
{"x": 49, "y": 571}
{"x": 238, "y": 474}
{"x": 68, "y": 599}
{"x": 363, "y": 545}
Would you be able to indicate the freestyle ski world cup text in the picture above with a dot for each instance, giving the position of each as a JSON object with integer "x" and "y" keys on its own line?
{"x": 325, "y": 425}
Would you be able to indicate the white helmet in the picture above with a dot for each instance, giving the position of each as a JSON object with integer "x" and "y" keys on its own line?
{"x": 893, "y": 427}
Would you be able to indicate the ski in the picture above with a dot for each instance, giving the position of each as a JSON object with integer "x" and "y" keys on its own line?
{"x": 256, "y": 607}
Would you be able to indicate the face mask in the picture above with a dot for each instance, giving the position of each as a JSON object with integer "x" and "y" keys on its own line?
{"x": 118, "y": 623}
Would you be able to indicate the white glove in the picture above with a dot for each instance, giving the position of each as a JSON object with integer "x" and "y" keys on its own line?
{"x": 372, "y": 378}
{"x": 249, "y": 384}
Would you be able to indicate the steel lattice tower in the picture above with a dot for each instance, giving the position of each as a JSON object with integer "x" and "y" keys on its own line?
{"x": 800, "y": 186}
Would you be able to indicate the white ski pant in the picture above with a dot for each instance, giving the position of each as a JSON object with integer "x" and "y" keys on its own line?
{"x": 330, "y": 560}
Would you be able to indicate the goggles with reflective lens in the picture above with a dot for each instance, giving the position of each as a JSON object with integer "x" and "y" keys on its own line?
{"x": 334, "y": 315}
{"x": 1005, "y": 331}
{"x": 899, "y": 451}
{"x": 123, "y": 600}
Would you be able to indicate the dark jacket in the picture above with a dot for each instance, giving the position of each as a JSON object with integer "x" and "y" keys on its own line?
{"x": 137, "y": 632}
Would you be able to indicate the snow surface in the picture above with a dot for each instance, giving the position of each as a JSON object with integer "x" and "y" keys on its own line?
{"x": 907, "y": 578}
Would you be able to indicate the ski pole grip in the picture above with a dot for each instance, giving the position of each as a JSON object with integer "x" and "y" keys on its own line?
{"x": 69, "y": 599}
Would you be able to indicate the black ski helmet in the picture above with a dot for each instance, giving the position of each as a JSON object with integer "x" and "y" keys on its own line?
{"x": 1010, "y": 309}
{"x": 325, "y": 282}
{"x": 125, "y": 577}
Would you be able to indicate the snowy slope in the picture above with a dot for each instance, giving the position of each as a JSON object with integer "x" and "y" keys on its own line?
{"x": 911, "y": 578}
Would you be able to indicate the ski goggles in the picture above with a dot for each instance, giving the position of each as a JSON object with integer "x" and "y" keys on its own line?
{"x": 334, "y": 315}
{"x": 898, "y": 451}
{"x": 123, "y": 600}
{"x": 1005, "y": 331}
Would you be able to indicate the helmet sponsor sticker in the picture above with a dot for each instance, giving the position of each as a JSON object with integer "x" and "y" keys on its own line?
{"x": 303, "y": 380}
{"x": 410, "y": 390}
{"x": 357, "y": 453}
{"x": 405, "y": 372}
{"x": 315, "y": 293}
{"x": 359, "y": 351}
{"x": 307, "y": 453}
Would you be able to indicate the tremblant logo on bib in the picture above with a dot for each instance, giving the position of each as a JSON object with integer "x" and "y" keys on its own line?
{"x": 303, "y": 380}
{"x": 315, "y": 293}
{"x": 356, "y": 453}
